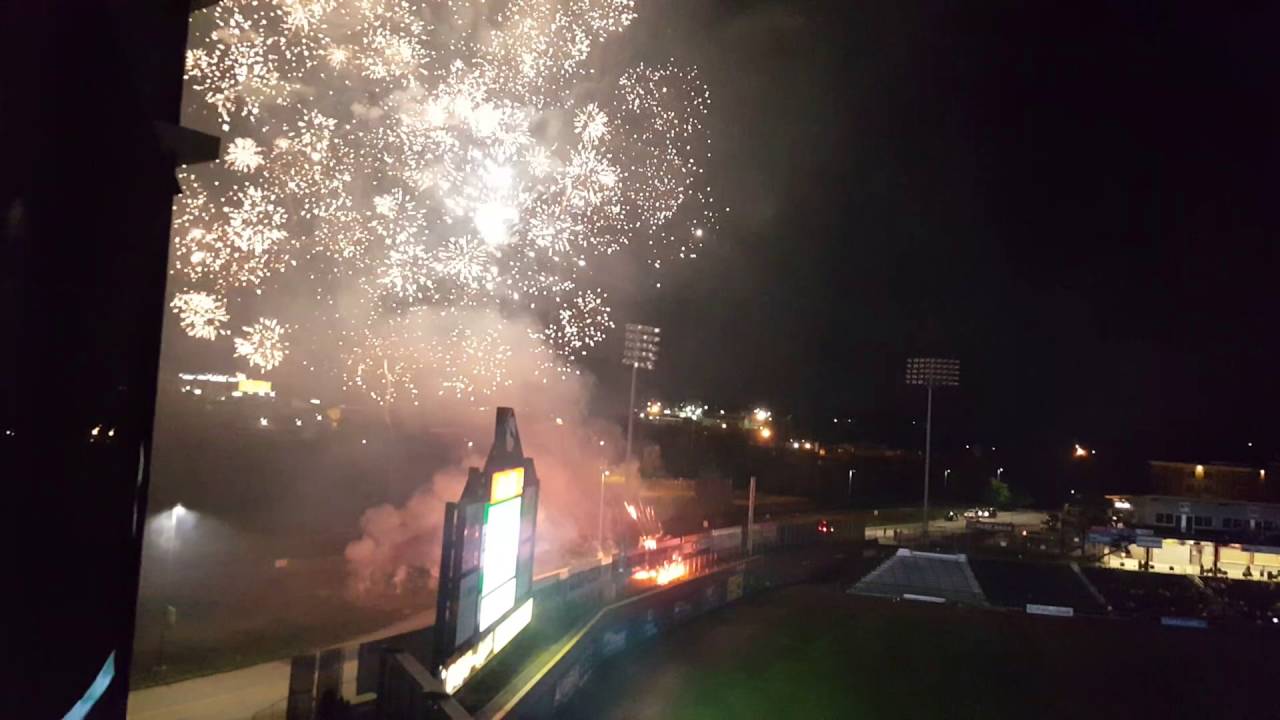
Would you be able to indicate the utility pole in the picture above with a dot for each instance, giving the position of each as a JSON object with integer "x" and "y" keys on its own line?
{"x": 930, "y": 372}
{"x": 928, "y": 444}
{"x": 640, "y": 351}
{"x": 751, "y": 512}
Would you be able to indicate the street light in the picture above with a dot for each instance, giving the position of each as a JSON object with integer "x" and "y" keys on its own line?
{"x": 171, "y": 612}
{"x": 174, "y": 514}
{"x": 639, "y": 351}
{"x": 931, "y": 372}
{"x": 1000, "y": 470}
{"x": 945, "y": 474}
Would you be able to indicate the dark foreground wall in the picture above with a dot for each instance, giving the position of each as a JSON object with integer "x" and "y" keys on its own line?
{"x": 89, "y": 103}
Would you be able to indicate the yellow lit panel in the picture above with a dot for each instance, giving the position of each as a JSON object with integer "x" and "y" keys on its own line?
{"x": 254, "y": 387}
{"x": 506, "y": 484}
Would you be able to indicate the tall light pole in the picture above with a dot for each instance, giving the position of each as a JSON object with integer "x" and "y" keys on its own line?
{"x": 600, "y": 529}
{"x": 931, "y": 372}
{"x": 640, "y": 351}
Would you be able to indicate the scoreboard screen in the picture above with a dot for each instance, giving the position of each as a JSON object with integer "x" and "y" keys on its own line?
{"x": 486, "y": 564}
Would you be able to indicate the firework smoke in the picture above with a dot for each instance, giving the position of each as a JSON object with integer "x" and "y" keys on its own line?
{"x": 569, "y": 450}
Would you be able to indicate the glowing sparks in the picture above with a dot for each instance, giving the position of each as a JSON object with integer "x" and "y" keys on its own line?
{"x": 425, "y": 167}
{"x": 244, "y": 155}
{"x": 202, "y": 314}
{"x": 263, "y": 343}
{"x": 467, "y": 261}
{"x": 592, "y": 124}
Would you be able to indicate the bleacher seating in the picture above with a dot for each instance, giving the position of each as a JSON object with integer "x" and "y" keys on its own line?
{"x": 1148, "y": 594}
{"x": 1247, "y": 599}
{"x": 922, "y": 573}
{"x": 1015, "y": 584}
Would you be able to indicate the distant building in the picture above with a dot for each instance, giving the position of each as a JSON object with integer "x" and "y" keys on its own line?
{"x": 1191, "y": 536}
{"x": 1212, "y": 480}
{"x": 1199, "y": 517}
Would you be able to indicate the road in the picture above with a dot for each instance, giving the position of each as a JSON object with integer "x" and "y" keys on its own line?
{"x": 1019, "y": 518}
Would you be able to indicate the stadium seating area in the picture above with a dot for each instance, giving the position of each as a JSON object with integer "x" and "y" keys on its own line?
{"x": 1147, "y": 594}
{"x": 1014, "y": 584}
{"x": 1017, "y": 583}
{"x": 920, "y": 573}
{"x": 1246, "y": 599}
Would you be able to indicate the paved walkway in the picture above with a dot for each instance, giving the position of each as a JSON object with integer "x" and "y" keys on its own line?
{"x": 238, "y": 694}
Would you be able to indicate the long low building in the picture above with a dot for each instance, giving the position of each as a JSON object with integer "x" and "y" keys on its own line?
{"x": 1199, "y": 517}
{"x": 1191, "y": 536}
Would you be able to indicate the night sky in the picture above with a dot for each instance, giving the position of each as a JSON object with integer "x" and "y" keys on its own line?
{"x": 1076, "y": 199}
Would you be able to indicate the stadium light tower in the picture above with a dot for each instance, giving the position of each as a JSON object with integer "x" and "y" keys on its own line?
{"x": 931, "y": 372}
{"x": 640, "y": 351}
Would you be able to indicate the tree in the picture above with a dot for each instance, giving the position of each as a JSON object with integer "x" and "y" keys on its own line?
{"x": 998, "y": 494}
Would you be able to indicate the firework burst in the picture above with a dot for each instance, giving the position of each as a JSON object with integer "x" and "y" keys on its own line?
{"x": 202, "y": 315}
{"x": 427, "y": 159}
{"x": 263, "y": 343}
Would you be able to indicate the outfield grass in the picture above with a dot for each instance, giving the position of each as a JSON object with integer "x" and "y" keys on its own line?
{"x": 814, "y": 652}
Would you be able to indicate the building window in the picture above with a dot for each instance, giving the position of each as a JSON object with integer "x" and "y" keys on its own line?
{"x": 1161, "y": 519}
{"x": 1226, "y": 523}
{"x": 1268, "y": 525}
{"x": 1203, "y": 521}
{"x": 1238, "y": 523}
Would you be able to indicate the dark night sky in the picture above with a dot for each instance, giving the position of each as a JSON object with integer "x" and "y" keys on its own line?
{"x": 1076, "y": 199}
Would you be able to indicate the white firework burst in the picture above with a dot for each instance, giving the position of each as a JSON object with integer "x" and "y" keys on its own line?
{"x": 591, "y": 124}
{"x": 468, "y": 261}
{"x": 244, "y": 154}
{"x": 263, "y": 343}
{"x": 201, "y": 314}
